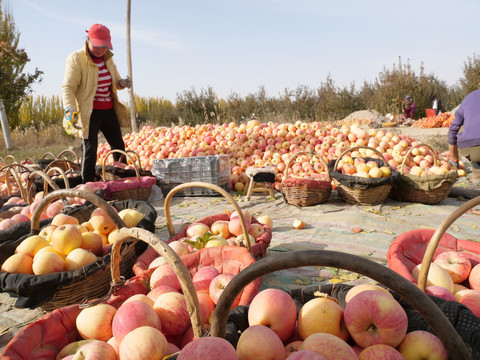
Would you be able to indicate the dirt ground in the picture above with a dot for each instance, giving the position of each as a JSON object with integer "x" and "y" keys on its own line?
{"x": 329, "y": 226}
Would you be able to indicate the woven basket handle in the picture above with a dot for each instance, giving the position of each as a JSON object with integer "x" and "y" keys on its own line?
{"x": 409, "y": 291}
{"x": 47, "y": 180}
{"x": 385, "y": 162}
{"x": 135, "y": 157}
{"x": 407, "y": 155}
{"x": 128, "y": 156}
{"x": 10, "y": 169}
{"x": 68, "y": 151}
{"x": 47, "y": 154}
{"x": 311, "y": 153}
{"x": 94, "y": 199}
{"x": 173, "y": 260}
{"x": 437, "y": 235}
{"x": 218, "y": 189}
{"x": 11, "y": 159}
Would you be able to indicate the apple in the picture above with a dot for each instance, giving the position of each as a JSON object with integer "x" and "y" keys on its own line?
{"x": 471, "y": 299}
{"x": 216, "y": 348}
{"x": 363, "y": 287}
{"x": 298, "y": 224}
{"x": 256, "y": 230}
{"x": 78, "y": 258}
{"x": 18, "y": 264}
{"x": 380, "y": 352}
{"x": 260, "y": 342}
{"x": 331, "y": 347}
{"x": 63, "y": 219}
{"x": 206, "y": 306}
{"x": 321, "y": 315}
{"x": 220, "y": 227}
{"x": 54, "y": 208}
{"x": 215, "y": 241}
{"x": 47, "y": 263}
{"x": 276, "y": 309}
{"x": 179, "y": 247}
{"x": 159, "y": 290}
{"x": 474, "y": 278}
{"x": 93, "y": 242}
{"x": 436, "y": 276}
{"x": 131, "y": 315}
{"x": 160, "y": 260}
{"x": 66, "y": 238}
{"x": 218, "y": 284}
{"x": 95, "y": 322}
{"x": 440, "y": 292}
{"x": 203, "y": 277}
{"x": 71, "y": 348}
{"x": 292, "y": 347}
{"x": 31, "y": 245}
{"x": 96, "y": 350}
{"x": 140, "y": 297}
{"x": 164, "y": 275}
{"x": 421, "y": 344}
{"x": 101, "y": 222}
{"x": 143, "y": 343}
{"x": 265, "y": 220}
{"x": 47, "y": 232}
{"x": 197, "y": 229}
{"x": 305, "y": 355}
{"x": 130, "y": 217}
{"x": 173, "y": 312}
{"x": 373, "y": 317}
{"x": 456, "y": 264}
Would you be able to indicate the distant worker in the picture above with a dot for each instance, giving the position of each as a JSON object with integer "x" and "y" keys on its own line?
{"x": 89, "y": 94}
{"x": 408, "y": 107}
{"x": 467, "y": 142}
{"x": 436, "y": 105}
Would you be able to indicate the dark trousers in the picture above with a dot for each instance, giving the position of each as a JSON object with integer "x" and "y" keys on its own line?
{"x": 106, "y": 122}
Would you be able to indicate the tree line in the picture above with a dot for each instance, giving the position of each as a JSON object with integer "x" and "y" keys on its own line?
{"x": 327, "y": 102}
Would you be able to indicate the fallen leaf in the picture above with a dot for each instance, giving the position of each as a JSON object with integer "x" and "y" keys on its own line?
{"x": 335, "y": 281}
{"x": 356, "y": 230}
{"x": 387, "y": 232}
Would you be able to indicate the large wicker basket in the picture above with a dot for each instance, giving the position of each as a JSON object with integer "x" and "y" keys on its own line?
{"x": 111, "y": 172}
{"x": 89, "y": 282}
{"x": 359, "y": 190}
{"x": 306, "y": 191}
{"x": 424, "y": 189}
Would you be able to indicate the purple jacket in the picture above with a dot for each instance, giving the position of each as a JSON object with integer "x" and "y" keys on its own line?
{"x": 468, "y": 115}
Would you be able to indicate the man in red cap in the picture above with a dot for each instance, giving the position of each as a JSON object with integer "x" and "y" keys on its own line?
{"x": 89, "y": 89}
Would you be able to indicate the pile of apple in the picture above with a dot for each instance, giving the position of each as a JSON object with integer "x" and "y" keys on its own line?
{"x": 373, "y": 325}
{"x": 66, "y": 245}
{"x": 267, "y": 144}
{"x": 452, "y": 277}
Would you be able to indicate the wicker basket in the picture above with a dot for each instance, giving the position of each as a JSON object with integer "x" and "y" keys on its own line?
{"x": 305, "y": 191}
{"x": 91, "y": 281}
{"x": 407, "y": 187}
{"x": 111, "y": 172}
{"x": 357, "y": 190}
{"x": 422, "y": 303}
{"x": 258, "y": 250}
{"x": 9, "y": 171}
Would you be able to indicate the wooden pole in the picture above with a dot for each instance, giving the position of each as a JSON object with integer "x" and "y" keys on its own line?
{"x": 5, "y": 127}
{"x": 133, "y": 119}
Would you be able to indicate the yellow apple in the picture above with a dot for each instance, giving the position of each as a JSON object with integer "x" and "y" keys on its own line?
{"x": 67, "y": 237}
{"x": 130, "y": 217}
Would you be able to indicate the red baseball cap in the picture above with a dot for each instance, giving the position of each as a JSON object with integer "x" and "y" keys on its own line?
{"x": 99, "y": 35}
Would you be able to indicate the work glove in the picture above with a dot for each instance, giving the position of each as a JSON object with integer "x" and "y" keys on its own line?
{"x": 126, "y": 83}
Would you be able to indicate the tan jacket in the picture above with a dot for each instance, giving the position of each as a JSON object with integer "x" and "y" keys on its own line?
{"x": 80, "y": 85}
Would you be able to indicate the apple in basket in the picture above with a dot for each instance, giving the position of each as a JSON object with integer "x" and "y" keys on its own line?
{"x": 197, "y": 229}
{"x": 321, "y": 314}
{"x": 95, "y": 322}
{"x": 471, "y": 299}
{"x": 260, "y": 342}
{"x": 373, "y": 317}
{"x": 329, "y": 346}
{"x": 220, "y": 227}
{"x": 380, "y": 351}
{"x": 96, "y": 350}
{"x": 363, "y": 287}
{"x": 164, "y": 275}
{"x": 437, "y": 276}
{"x": 456, "y": 264}
{"x": 474, "y": 278}
{"x": 305, "y": 355}
{"x": 172, "y": 309}
{"x": 143, "y": 343}
{"x": 218, "y": 284}
{"x": 216, "y": 348}
{"x": 203, "y": 277}
{"x": 276, "y": 309}
{"x": 421, "y": 344}
{"x": 66, "y": 238}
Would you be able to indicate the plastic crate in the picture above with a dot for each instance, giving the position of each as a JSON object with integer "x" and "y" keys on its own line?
{"x": 213, "y": 169}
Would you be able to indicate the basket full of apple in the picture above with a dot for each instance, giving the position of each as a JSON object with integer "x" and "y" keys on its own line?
{"x": 65, "y": 258}
{"x": 364, "y": 177}
{"x": 422, "y": 178}
{"x": 439, "y": 263}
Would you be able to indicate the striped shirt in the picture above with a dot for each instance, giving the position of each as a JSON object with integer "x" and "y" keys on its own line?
{"x": 102, "y": 99}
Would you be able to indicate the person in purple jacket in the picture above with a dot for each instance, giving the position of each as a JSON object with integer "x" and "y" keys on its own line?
{"x": 466, "y": 141}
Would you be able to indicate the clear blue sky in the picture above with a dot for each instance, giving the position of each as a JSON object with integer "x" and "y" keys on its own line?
{"x": 238, "y": 46}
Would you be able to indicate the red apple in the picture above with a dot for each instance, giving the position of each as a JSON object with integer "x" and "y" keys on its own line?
{"x": 96, "y": 322}
{"x": 440, "y": 292}
{"x": 131, "y": 315}
{"x": 260, "y": 342}
{"x": 173, "y": 312}
{"x": 474, "y": 278}
{"x": 305, "y": 355}
{"x": 96, "y": 350}
{"x": 373, "y": 317}
{"x": 380, "y": 352}
{"x": 276, "y": 309}
{"x": 164, "y": 275}
{"x": 216, "y": 348}
{"x": 206, "y": 306}
{"x": 218, "y": 284}
{"x": 159, "y": 290}
{"x": 421, "y": 344}
{"x": 331, "y": 347}
{"x": 203, "y": 277}
{"x": 471, "y": 299}
{"x": 456, "y": 264}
